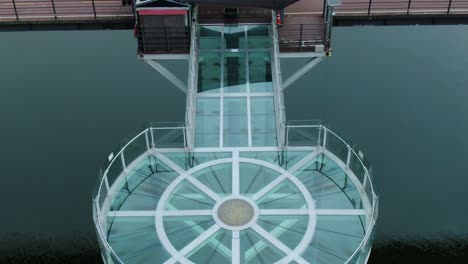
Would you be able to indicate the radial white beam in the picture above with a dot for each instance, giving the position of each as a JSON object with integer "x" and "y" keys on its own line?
{"x": 192, "y": 245}
{"x": 199, "y": 240}
{"x": 203, "y": 187}
{"x": 131, "y": 213}
{"x": 236, "y": 258}
{"x": 278, "y": 244}
{"x": 214, "y": 242}
{"x": 269, "y": 187}
{"x": 169, "y": 162}
{"x": 189, "y": 177}
{"x": 340, "y": 211}
{"x": 278, "y": 180}
{"x": 235, "y": 173}
{"x": 261, "y": 245}
{"x": 285, "y": 211}
{"x": 187, "y": 213}
{"x": 304, "y": 161}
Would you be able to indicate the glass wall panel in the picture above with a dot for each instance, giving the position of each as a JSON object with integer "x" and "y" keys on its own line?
{"x": 260, "y": 72}
{"x": 135, "y": 149}
{"x": 209, "y": 72}
{"x": 234, "y": 72}
{"x": 169, "y": 138}
{"x": 303, "y": 136}
{"x": 210, "y": 37}
{"x": 114, "y": 170}
{"x": 234, "y": 37}
{"x": 337, "y": 146}
{"x": 258, "y": 37}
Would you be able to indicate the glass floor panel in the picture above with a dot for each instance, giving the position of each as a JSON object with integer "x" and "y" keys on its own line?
{"x": 143, "y": 185}
{"x": 335, "y": 239}
{"x": 183, "y": 230}
{"x": 139, "y": 234}
{"x": 236, "y": 63}
{"x": 215, "y": 250}
{"x": 288, "y": 229}
{"x": 288, "y": 213}
{"x": 329, "y": 185}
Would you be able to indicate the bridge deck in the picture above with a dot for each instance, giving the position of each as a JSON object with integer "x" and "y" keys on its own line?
{"x": 63, "y": 10}
{"x": 63, "y": 14}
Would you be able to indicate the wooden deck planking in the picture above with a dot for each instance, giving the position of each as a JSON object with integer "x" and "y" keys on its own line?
{"x": 301, "y": 12}
{"x": 398, "y": 7}
{"x": 303, "y": 22}
{"x": 40, "y": 10}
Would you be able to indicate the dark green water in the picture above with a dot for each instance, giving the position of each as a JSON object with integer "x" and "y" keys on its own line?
{"x": 68, "y": 98}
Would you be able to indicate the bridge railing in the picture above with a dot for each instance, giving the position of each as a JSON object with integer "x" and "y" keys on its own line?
{"x": 301, "y": 36}
{"x": 46, "y": 10}
{"x": 162, "y": 39}
{"x": 139, "y": 142}
{"x": 316, "y": 133}
{"x": 401, "y": 7}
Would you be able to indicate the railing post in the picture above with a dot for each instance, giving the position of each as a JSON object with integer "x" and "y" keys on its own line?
{"x": 94, "y": 10}
{"x": 319, "y": 135}
{"x": 324, "y": 7}
{"x": 53, "y": 8}
{"x": 409, "y": 7}
{"x": 106, "y": 183}
{"x": 449, "y": 7}
{"x": 369, "y": 9}
{"x": 16, "y": 11}
{"x": 141, "y": 32}
{"x": 167, "y": 38}
{"x": 185, "y": 138}
{"x": 122, "y": 158}
{"x": 300, "y": 37}
{"x": 152, "y": 137}
{"x": 147, "y": 140}
{"x": 328, "y": 26}
{"x": 366, "y": 175}
{"x": 324, "y": 137}
{"x": 348, "y": 159}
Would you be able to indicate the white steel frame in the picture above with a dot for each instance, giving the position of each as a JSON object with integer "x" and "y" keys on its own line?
{"x": 276, "y": 93}
{"x": 369, "y": 203}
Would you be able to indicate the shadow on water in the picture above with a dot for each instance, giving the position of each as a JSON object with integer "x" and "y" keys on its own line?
{"x": 85, "y": 250}
{"x": 447, "y": 249}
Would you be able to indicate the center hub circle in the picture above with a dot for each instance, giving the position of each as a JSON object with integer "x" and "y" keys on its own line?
{"x": 235, "y": 212}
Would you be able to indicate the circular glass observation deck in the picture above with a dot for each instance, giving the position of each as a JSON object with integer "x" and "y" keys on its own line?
{"x": 309, "y": 202}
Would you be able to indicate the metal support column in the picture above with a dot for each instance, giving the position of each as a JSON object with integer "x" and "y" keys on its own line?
{"x": 168, "y": 74}
{"x": 303, "y": 70}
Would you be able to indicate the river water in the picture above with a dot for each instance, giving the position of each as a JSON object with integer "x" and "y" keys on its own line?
{"x": 68, "y": 98}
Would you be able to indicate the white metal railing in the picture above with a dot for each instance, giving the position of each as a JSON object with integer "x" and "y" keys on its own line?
{"x": 155, "y": 135}
{"x": 315, "y": 133}
{"x": 298, "y": 133}
{"x": 277, "y": 82}
{"x": 192, "y": 82}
